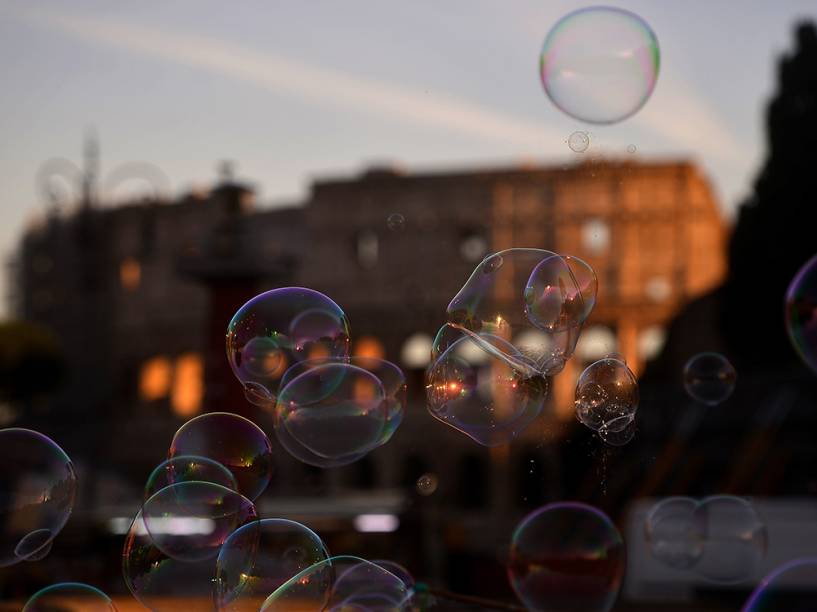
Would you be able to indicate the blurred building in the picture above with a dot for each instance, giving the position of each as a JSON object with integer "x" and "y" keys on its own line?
{"x": 140, "y": 295}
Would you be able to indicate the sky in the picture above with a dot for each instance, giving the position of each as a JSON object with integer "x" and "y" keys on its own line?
{"x": 293, "y": 91}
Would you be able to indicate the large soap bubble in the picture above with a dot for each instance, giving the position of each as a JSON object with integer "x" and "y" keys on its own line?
{"x": 791, "y": 587}
{"x": 69, "y": 597}
{"x": 709, "y": 378}
{"x": 341, "y": 583}
{"x": 519, "y": 291}
{"x": 187, "y": 468}
{"x": 233, "y": 441}
{"x": 189, "y": 521}
{"x": 37, "y": 492}
{"x": 565, "y": 557}
{"x": 600, "y": 64}
{"x": 735, "y": 539}
{"x": 279, "y": 328}
{"x": 675, "y": 533}
{"x": 260, "y": 557}
{"x": 333, "y": 410}
{"x": 607, "y": 399}
{"x": 470, "y": 388}
{"x": 161, "y": 583}
{"x": 801, "y": 312}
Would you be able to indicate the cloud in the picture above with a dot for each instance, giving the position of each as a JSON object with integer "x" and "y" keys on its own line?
{"x": 311, "y": 83}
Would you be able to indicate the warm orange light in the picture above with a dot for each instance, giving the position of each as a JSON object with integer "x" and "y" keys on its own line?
{"x": 368, "y": 347}
{"x": 154, "y": 379}
{"x": 364, "y": 390}
{"x": 316, "y": 351}
{"x": 188, "y": 385}
{"x": 130, "y": 274}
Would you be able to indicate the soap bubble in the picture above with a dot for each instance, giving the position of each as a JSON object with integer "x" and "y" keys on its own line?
{"x": 801, "y": 312}
{"x": 607, "y": 396}
{"x": 490, "y": 401}
{"x": 70, "y": 597}
{"x": 161, "y": 583}
{"x": 278, "y": 328}
{"x": 507, "y": 296}
{"x": 260, "y": 557}
{"x": 675, "y": 533}
{"x": 631, "y": 148}
{"x": 427, "y": 484}
{"x": 186, "y": 468}
{"x": 791, "y": 587}
{"x": 567, "y": 556}
{"x": 42, "y": 553}
{"x": 599, "y": 64}
{"x": 398, "y": 570}
{"x": 709, "y": 378}
{"x": 333, "y": 409}
{"x": 578, "y": 142}
{"x": 735, "y": 539}
{"x": 391, "y": 377}
{"x": 341, "y": 583}
{"x": 233, "y": 441}
{"x": 189, "y": 521}
{"x": 396, "y": 222}
{"x": 37, "y": 494}
{"x": 618, "y": 431}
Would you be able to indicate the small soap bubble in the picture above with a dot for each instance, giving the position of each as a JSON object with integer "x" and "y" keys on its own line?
{"x": 735, "y": 539}
{"x": 427, "y": 484}
{"x": 341, "y": 583}
{"x": 674, "y": 533}
{"x": 186, "y": 468}
{"x": 599, "y": 64}
{"x": 578, "y": 141}
{"x": 69, "y": 597}
{"x": 396, "y": 222}
{"x": 232, "y": 441}
{"x": 709, "y": 378}
{"x": 631, "y": 148}
{"x": 567, "y": 556}
{"x": 801, "y": 313}
{"x": 791, "y": 587}
{"x": 38, "y": 493}
{"x": 259, "y": 557}
{"x": 607, "y": 399}
{"x": 278, "y": 328}
{"x": 560, "y": 293}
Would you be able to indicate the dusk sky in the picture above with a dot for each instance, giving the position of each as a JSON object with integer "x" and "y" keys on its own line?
{"x": 293, "y": 91}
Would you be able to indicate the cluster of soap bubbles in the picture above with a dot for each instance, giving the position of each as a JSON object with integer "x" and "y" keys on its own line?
{"x": 37, "y": 495}
{"x": 801, "y": 313}
{"x": 513, "y": 324}
{"x": 599, "y": 64}
{"x": 721, "y": 538}
{"x": 567, "y": 556}
{"x": 709, "y": 378}
{"x": 607, "y": 399}
{"x": 289, "y": 348}
{"x": 198, "y": 537}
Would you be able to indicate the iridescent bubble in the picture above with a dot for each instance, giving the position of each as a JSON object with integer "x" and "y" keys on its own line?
{"x": 398, "y": 570}
{"x": 709, "y": 378}
{"x": 37, "y": 494}
{"x": 189, "y": 521}
{"x": 567, "y": 556}
{"x": 339, "y": 584}
{"x": 674, "y": 533}
{"x": 69, "y": 597}
{"x": 735, "y": 539}
{"x": 607, "y": 396}
{"x": 427, "y": 484}
{"x": 801, "y": 312}
{"x": 260, "y": 557}
{"x": 161, "y": 583}
{"x": 333, "y": 411}
{"x": 600, "y": 64}
{"x": 506, "y": 297}
{"x": 791, "y": 587}
{"x": 492, "y": 400}
{"x": 396, "y": 222}
{"x": 278, "y": 328}
{"x": 233, "y": 441}
{"x": 186, "y": 468}
{"x": 578, "y": 142}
